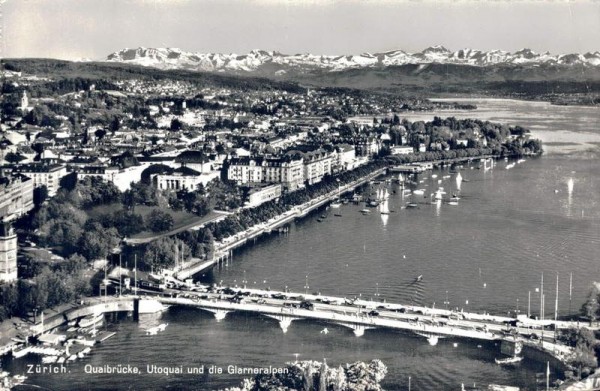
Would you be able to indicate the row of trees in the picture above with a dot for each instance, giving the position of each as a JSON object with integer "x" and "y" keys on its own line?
{"x": 49, "y": 287}
{"x": 249, "y": 217}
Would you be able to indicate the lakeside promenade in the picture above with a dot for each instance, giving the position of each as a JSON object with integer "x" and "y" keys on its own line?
{"x": 223, "y": 248}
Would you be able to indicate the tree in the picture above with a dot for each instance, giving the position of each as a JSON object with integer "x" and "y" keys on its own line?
{"x": 159, "y": 221}
{"x": 176, "y": 125}
{"x": 584, "y": 359}
{"x": 97, "y": 241}
{"x": 13, "y": 158}
{"x": 40, "y": 194}
{"x": 591, "y": 307}
{"x": 163, "y": 252}
{"x": 100, "y": 133}
{"x": 128, "y": 223}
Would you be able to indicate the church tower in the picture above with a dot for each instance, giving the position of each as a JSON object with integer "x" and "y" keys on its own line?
{"x": 8, "y": 252}
{"x": 24, "y": 102}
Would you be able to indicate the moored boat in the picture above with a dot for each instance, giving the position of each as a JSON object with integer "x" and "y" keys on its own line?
{"x": 508, "y": 360}
{"x": 90, "y": 320}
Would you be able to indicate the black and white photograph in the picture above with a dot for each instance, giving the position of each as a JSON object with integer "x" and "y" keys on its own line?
{"x": 299, "y": 195}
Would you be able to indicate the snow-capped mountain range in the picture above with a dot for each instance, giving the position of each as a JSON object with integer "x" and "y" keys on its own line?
{"x": 275, "y": 62}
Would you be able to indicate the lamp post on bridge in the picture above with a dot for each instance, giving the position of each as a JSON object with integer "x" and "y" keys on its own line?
{"x": 306, "y": 287}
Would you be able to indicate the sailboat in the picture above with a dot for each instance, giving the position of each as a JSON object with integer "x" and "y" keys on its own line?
{"x": 384, "y": 207}
{"x": 439, "y": 194}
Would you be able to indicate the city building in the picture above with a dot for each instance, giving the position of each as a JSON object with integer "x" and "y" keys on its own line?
{"x": 183, "y": 178}
{"x": 317, "y": 164}
{"x": 16, "y": 195}
{"x": 260, "y": 195}
{"x": 8, "y": 252}
{"x": 287, "y": 171}
{"x": 48, "y": 175}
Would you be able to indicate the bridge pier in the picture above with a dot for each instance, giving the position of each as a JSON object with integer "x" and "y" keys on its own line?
{"x": 284, "y": 321}
{"x": 357, "y": 328}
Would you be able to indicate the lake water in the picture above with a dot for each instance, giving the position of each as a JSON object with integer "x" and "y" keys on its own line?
{"x": 485, "y": 254}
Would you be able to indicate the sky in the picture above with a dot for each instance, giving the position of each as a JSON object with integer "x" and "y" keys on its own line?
{"x": 92, "y": 29}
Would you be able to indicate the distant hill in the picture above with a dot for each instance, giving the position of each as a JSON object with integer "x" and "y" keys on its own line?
{"x": 116, "y": 71}
{"x": 435, "y": 70}
{"x": 527, "y": 80}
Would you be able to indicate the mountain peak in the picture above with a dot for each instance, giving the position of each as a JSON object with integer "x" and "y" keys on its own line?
{"x": 271, "y": 62}
{"x": 436, "y": 49}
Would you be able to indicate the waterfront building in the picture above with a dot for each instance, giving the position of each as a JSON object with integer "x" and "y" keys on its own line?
{"x": 317, "y": 164}
{"x": 346, "y": 157}
{"x": 287, "y": 171}
{"x": 245, "y": 170}
{"x": 8, "y": 252}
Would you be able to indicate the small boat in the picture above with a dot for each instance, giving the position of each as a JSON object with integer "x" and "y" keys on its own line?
{"x": 372, "y": 202}
{"x": 508, "y": 360}
{"x": 325, "y": 331}
{"x": 419, "y": 192}
{"x": 337, "y": 214}
{"x": 412, "y": 205}
{"x": 433, "y": 340}
{"x": 419, "y": 278}
{"x": 335, "y": 204}
{"x": 90, "y": 320}
{"x": 365, "y": 211}
{"x": 319, "y": 220}
{"x": 21, "y": 352}
{"x": 19, "y": 379}
{"x": 453, "y": 203}
{"x": 49, "y": 359}
{"x": 384, "y": 213}
{"x": 520, "y": 161}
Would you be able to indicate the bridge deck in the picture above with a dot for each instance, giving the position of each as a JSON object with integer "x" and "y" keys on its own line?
{"x": 358, "y": 315}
